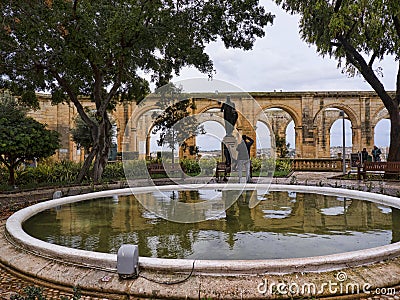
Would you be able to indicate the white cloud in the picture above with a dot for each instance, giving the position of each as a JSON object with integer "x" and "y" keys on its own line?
{"x": 282, "y": 61}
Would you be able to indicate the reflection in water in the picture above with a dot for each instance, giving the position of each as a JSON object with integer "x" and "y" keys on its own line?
{"x": 283, "y": 225}
{"x": 395, "y": 225}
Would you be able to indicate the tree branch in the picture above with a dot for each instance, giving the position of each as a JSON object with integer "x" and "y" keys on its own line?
{"x": 356, "y": 59}
{"x": 337, "y": 5}
{"x": 62, "y": 82}
{"x": 75, "y": 6}
{"x": 98, "y": 80}
{"x": 396, "y": 22}
{"x": 397, "y": 99}
{"x": 371, "y": 61}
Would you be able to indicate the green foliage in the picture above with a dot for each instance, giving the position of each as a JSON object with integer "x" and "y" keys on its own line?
{"x": 207, "y": 165}
{"x": 368, "y": 25}
{"x": 115, "y": 171}
{"x": 135, "y": 169}
{"x": 49, "y": 172}
{"x": 82, "y": 133}
{"x": 65, "y": 173}
{"x": 358, "y": 34}
{"x": 3, "y": 175}
{"x": 190, "y": 166}
{"x": 22, "y": 138}
{"x": 100, "y": 49}
{"x": 36, "y": 293}
{"x": 282, "y": 167}
{"x": 175, "y": 123}
{"x": 281, "y": 147}
{"x": 32, "y": 293}
{"x": 256, "y": 163}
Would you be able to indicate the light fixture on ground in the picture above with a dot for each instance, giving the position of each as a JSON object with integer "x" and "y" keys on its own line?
{"x": 128, "y": 261}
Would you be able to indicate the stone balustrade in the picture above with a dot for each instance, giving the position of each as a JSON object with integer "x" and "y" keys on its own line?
{"x": 318, "y": 164}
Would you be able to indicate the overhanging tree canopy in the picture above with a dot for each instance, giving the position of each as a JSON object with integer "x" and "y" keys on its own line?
{"x": 359, "y": 34}
{"x": 100, "y": 49}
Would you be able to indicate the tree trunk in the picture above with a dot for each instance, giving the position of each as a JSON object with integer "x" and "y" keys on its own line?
{"x": 394, "y": 148}
{"x": 11, "y": 178}
{"x": 101, "y": 135}
{"x": 86, "y": 166}
{"x": 100, "y": 162}
{"x": 103, "y": 146}
{"x": 391, "y": 104}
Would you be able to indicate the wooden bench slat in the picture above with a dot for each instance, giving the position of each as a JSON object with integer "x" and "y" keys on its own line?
{"x": 381, "y": 168}
{"x": 159, "y": 168}
{"x": 221, "y": 171}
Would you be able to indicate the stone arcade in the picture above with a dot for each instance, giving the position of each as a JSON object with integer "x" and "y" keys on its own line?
{"x": 311, "y": 112}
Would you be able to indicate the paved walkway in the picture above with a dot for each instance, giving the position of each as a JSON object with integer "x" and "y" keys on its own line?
{"x": 11, "y": 283}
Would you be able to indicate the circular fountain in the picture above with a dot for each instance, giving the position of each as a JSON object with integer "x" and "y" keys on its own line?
{"x": 279, "y": 265}
{"x": 203, "y": 267}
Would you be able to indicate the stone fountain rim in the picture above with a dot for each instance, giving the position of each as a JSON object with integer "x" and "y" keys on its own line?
{"x": 212, "y": 267}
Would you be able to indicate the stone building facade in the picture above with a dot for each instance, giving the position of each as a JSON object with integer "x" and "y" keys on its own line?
{"x": 313, "y": 114}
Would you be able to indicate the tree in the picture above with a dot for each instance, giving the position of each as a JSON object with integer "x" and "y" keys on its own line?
{"x": 22, "y": 138}
{"x": 358, "y": 34}
{"x": 175, "y": 122}
{"x": 281, "y": 146}
{"x": 81, "y": 134}
{"x": 101, "y": 48}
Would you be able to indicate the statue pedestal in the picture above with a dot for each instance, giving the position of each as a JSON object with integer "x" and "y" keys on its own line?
{"x": 230, "y": 143}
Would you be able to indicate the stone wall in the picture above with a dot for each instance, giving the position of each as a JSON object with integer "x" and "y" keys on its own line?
{"x": 313, "y": 114}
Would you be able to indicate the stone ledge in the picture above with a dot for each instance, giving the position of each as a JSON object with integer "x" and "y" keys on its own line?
{"x": 200, "y": 285}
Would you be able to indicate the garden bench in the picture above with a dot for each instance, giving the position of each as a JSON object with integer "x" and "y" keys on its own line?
{"x": 379, "y": 168}
{"x": 166, "y": 168}
{"x": 221, "y": 171}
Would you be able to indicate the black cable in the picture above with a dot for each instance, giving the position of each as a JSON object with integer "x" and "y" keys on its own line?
{"x": 169, "y": 282}
{"x": 94, "y": 267}
{"x": 83, "y": 265}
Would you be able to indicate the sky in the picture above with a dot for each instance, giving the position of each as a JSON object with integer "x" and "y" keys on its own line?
{"x": 282, "y": 61}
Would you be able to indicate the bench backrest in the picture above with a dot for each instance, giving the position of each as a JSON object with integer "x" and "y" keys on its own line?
{"x": 393, "y": 166}
{"x": 390, "y": 166}
{"x": 374, "y": 166}
{"x": 165, "y": 166}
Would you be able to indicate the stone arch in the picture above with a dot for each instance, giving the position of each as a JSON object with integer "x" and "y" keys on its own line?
{"x": 139, "y": 112}
{"x": 304, "y": 108}
{"x": 272, "y": 139}
{"x": 323, "y": 125}
{"x": 290, "y": 110}
{"x": 203, "y": 114}
{"x": 294, "y": 116}
{"x": 142, "y": 135}
{"x": 213, "y": 136}
{"x": 202, "y": 117}
{"x": 266, "y": 124}
{"x": 135, "y": 137}
{"x": 381, "y": 113}
{"x": 213, "y": 104}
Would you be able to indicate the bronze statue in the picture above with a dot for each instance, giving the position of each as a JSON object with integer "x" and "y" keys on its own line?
{"x": 230, "y": 115}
